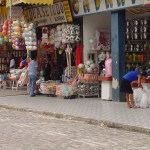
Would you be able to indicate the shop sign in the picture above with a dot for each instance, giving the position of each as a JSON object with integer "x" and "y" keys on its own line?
{"x": 146, "y": 2}
{"x": 84, "y": 7}
{"x": 46, "y": 15}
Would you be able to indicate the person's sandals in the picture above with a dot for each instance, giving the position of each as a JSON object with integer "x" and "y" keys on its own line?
{"x": 129, "y": 105}
{"x": 133, "y": 106}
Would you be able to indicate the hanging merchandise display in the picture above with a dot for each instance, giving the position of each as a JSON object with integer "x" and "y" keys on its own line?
{"x": 29, "y": 34}
{"x": 16, "y": 35}
{"x": 15, "y": 38}
{"x": 20, "y": 34}
{"x": 6, "y": 30}
{"x": 58, "y": 41}
{"x": 64, "y": 34}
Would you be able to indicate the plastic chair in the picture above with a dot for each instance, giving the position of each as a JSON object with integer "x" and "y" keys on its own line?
{"x": 23, "y": 80}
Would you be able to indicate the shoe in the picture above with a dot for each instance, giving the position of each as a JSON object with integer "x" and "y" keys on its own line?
{"x": 134, "y": 107}
{"x": 32, "y": 95}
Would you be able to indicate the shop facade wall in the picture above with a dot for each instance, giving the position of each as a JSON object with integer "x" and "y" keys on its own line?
{"x": 90, "y": 24}
{"x": 133, "y": 16}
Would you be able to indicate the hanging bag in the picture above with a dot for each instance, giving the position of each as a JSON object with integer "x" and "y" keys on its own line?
{"x": 137, "y": 93}
{"x": 144, "y": 100}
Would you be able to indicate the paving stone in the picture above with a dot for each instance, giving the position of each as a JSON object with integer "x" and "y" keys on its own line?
{"x": 92, "y": 109}
{"x": 32, "y": 131}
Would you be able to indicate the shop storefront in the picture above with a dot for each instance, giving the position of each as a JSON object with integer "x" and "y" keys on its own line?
{"x": 49, "y": 32}
{"x": 112, "y": 16}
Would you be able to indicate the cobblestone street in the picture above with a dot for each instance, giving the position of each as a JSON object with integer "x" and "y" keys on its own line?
{"x": 31, "y": 131}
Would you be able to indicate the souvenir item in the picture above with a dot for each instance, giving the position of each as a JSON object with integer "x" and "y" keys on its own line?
{"x": 108, "y": 67}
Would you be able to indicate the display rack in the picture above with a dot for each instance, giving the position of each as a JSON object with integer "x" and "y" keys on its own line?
{"x": 87, "y": 89}
{"x": 4, "y": 58}
{"x": 95, "y": 55}
{"x": 137, "y": 48}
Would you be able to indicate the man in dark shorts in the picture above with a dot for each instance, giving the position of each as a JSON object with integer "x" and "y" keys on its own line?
{"x": 126, "y": 85}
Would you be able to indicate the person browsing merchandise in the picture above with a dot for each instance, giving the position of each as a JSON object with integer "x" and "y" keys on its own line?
{"x": 126, "y": 87}
{"x": 32, "y": 73}
{"x": 23, "y": 63}
{"x": 48, "y": 68}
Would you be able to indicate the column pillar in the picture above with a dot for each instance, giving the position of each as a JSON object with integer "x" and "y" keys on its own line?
{"x": 118, "y": 52}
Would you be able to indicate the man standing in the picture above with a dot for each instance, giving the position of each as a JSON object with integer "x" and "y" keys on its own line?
{"x": 32, "y": 73}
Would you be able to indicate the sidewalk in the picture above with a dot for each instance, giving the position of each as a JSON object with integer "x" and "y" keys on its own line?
{"x": 91, "y": 110}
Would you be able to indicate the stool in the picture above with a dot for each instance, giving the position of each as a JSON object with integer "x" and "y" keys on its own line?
{"x": 14, "y": 85}
{"x": 6, "y": 84}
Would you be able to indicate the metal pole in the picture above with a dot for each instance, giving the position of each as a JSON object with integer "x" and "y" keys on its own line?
{"x": 10, "y": 16}
{"x": 10, "y": 9}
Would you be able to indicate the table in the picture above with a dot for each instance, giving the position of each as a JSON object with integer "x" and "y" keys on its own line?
{"x": 106, "y": 87}
{"x": 9, "y": 83}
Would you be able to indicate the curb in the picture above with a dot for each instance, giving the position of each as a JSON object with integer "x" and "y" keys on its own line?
{"x": 101, "y": 123}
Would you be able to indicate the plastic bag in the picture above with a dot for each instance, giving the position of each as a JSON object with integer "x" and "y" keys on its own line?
{"x": 68, "y": 90}
{"x": 148, "y": 93}
{"x": 144, "y": 100}
{"x": 43, "y": 88}
{"x": 137, "y": 93}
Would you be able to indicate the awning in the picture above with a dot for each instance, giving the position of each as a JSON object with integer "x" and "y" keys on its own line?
{"x": 3, "y": 10}
{"x": 35, "y": 2}
{"x": 2, "y": 2}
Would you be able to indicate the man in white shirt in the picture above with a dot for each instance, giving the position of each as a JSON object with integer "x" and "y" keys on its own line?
{"x": 12, "y": 63}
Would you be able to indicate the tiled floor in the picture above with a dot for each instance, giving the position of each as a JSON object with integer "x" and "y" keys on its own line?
{"x": 10, "y": 92}
{"x": 92, "y": 108}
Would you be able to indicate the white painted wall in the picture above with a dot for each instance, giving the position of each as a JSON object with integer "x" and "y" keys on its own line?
{"x": 90, "y": 24}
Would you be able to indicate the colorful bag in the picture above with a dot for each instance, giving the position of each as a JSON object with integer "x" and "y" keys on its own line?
{"x": 58, "y": 90}
{"x": 23, "y": 80}
{"x": 44, "y": 88}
